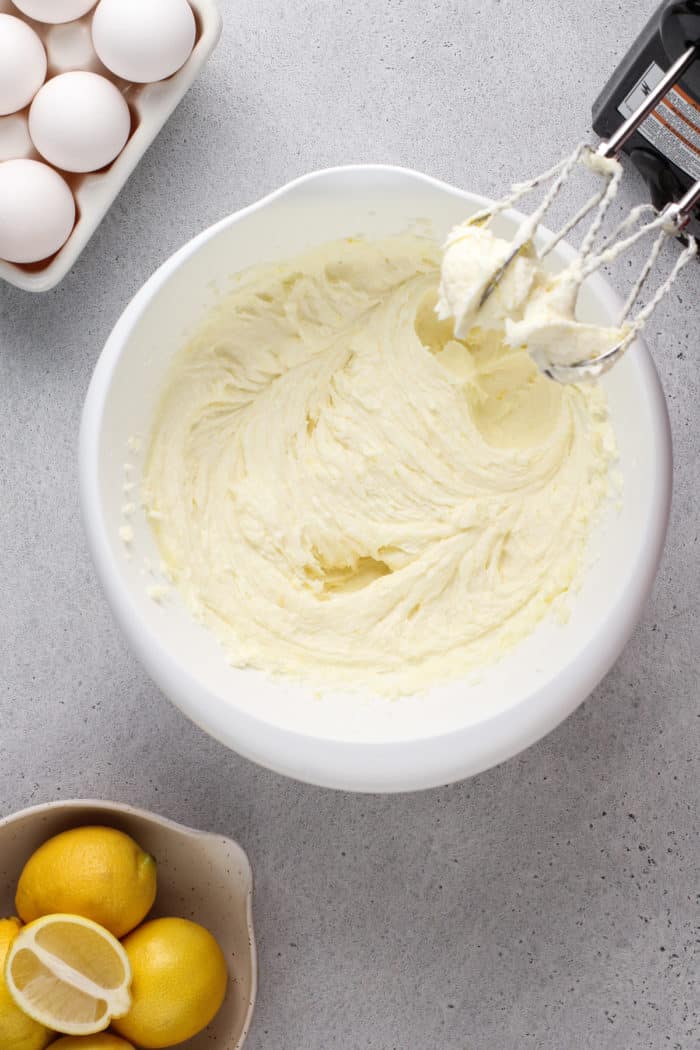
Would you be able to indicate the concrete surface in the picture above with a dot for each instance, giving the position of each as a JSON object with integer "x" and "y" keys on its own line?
{"x": 549, "y": 903}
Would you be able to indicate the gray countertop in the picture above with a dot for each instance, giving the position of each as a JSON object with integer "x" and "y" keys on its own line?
{"x": 548, "y": 903}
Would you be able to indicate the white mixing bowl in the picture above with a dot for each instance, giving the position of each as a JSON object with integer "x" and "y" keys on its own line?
{"x": 346, "y": 741}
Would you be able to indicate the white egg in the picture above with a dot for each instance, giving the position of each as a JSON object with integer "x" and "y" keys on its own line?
{"x": 79, "y": 121}
{"x": 54, "y": 10}
{"x": 22, "y": 64}
{"x": 37, "y": 211}
{"x": 143, "y": 40}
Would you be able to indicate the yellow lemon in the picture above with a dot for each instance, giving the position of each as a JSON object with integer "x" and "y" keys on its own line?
{"x": 69, "y": 974}
{"x": 99, "y": 873}
{"x": 17, "y": 1031}
{"x": 179, "y": 983}
{"x": 103, "y": 1041}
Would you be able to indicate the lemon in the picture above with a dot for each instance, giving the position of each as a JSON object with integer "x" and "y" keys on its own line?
{"x": 103, "y": 1041}
{"x": 179, "y": 982}
{"x": 99, "y": 873}
{"x": 17, "y": 1031}
{"x": 69, "y": 974}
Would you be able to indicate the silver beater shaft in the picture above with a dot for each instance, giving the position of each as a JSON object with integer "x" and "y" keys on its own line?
{"x": 677, "y": 213}
{"x": 669, "y": 222}
{"x": 681, "y": 212}
{"x": 612, "y": 147}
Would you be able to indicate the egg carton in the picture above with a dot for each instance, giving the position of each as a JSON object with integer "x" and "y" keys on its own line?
{"x": 69, "y": 47}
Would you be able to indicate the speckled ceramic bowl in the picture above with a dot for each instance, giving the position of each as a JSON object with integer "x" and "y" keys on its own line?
{"x": 201, "y": 876}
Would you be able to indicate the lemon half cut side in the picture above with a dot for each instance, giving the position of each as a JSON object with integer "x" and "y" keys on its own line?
{"x": 69, "y": 974}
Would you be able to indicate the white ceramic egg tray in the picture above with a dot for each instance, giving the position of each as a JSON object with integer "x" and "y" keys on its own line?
{"x": 69, "y": 47}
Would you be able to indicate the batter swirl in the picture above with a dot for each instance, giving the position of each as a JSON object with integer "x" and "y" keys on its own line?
{"x": 347, "y": 494}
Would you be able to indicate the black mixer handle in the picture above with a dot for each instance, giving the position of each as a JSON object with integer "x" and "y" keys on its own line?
{"x": 680, "y": 29}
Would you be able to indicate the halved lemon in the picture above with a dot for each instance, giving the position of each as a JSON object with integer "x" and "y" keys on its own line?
{"x": 69, "y": 974}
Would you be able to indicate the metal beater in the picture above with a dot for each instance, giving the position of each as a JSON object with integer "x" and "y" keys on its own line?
{"x": 669, "y": 222}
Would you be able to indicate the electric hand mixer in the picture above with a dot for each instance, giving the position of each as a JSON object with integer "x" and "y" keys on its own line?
{"x": 656, "y": 92}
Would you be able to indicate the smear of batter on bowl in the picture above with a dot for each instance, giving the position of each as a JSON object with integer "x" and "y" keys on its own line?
{"x": 346, "y": 493}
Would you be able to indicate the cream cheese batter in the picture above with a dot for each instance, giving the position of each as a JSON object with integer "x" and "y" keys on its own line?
{"x": 482, "y": 284}
{"x": 345, "y": 493}
{"x": 537, "y": 309}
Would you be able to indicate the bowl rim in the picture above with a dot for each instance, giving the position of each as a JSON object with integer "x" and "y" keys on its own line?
{"x": 125, "y": 809}
{"x": 391, "y": 764}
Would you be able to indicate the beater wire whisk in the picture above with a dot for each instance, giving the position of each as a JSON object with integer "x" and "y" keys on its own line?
{"x": 598, "y": 249}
